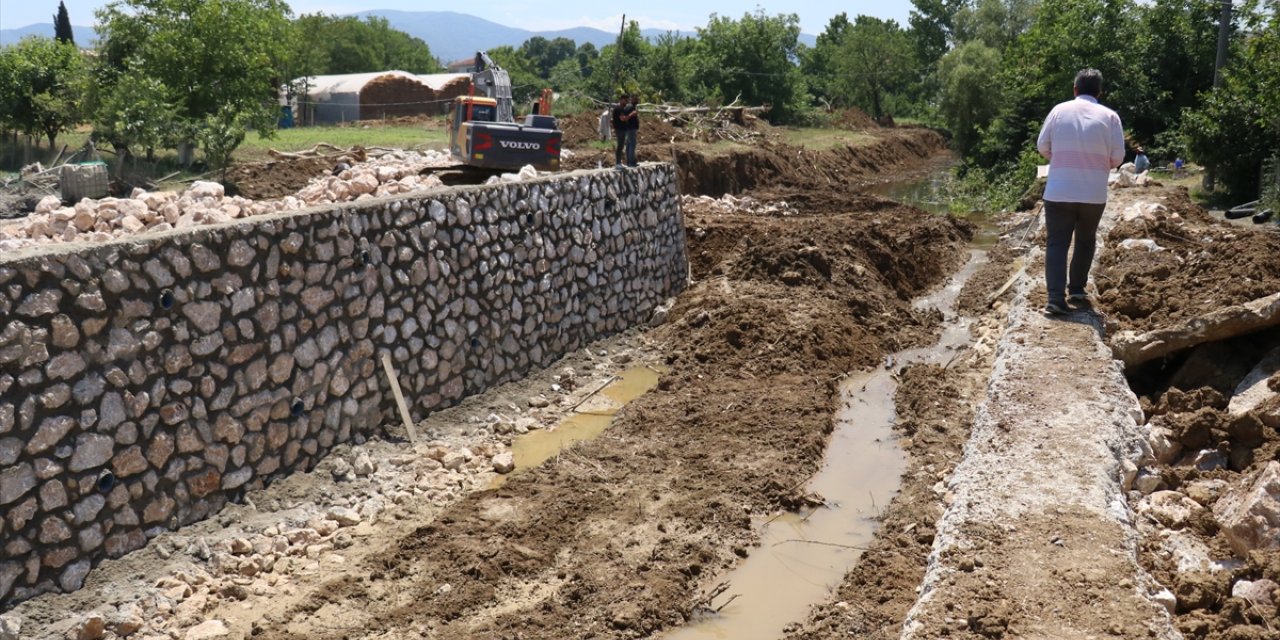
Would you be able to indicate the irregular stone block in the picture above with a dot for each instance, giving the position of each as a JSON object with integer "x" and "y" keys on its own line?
{"x": 1250, "y": 513}
{"x": 15, "y": 482}
{"x": 91, "y": 450}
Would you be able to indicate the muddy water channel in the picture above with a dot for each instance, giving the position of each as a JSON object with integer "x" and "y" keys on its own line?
{"x": 803, "y": 556}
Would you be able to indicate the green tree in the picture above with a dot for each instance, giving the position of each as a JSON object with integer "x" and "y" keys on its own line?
{"x": 754, "y": 59}
{"x": 525, "y": 83}
{"x": 138, "y": 111}
{"x": 819, "y": 63}
{"x": 588, "y": 57}
{"x": 1040, "y": 67}
{"x": 997, "y": 23}
{"x": 931, "y": 23}
{"x": 40, "y": 83}
{"x": 1236, "y": 127}
{"x": 969, "y": 98}
{"x": 544, "y": 54}
{"x": 669, "y": 73}
{"x": 875, "y": 63}
{"x": 1180, "y": 47}
{"x": 336, "y": 45}
{"x": 621, "y": 65}
{"x": 220, "y": 61}
{"x": 62, "y": 25}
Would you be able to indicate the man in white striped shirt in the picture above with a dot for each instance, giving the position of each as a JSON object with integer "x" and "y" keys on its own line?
{"x": 1083, "y": 142}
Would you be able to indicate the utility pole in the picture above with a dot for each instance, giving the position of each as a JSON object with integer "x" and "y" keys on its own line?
{"x": 1224, "y": 30}
{"x": 617, "y": 56}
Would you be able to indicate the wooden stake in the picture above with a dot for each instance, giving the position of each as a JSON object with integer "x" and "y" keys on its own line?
{"x": 395, "y": 389}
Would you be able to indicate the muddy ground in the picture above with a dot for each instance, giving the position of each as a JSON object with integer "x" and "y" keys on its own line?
{"x": 619, "y": 537}
{"x": 623, "y": 536}
{"x": 1204, "y": 264}
{"x": 1208, "y": 450}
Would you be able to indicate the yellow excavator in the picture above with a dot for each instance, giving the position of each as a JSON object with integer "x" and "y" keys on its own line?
{"x": 483, "y": 132}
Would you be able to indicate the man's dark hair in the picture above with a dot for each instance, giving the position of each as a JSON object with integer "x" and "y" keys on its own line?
{"x": 1089, "y": 82}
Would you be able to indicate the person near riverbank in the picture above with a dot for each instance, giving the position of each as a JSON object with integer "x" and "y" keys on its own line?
{"x": 1140, "y": 161}
{"x": 620, "y": 111}
{"x": 633, "y": 130}
{"x": 1083, "y": 142}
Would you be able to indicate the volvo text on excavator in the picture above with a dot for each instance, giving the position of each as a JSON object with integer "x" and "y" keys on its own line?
{"x": 483, "y": 132}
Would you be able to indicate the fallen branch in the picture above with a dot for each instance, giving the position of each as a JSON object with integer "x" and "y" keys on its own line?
{"x": 600, "y": 388}
{"x": 825, "y": 544}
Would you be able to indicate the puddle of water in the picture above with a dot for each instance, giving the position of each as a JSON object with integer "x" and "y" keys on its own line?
{"x": 587, "y": 422}
{"x": 930, "y": 194}
{"x": 803, "y": 557}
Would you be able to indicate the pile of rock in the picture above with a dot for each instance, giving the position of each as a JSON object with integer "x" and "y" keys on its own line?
{"x": 1127, "y": 176}
{"x": 389, "y": 174}
{"x": 207, "y": 203}
{"x": 250, "y": 561}
{"x": 737, "y": 205}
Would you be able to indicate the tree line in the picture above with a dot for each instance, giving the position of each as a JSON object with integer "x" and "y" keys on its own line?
{"x": 168, "y": 74}
{"x": 187, "y": 72}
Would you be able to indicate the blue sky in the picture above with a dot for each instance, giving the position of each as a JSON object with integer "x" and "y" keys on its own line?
{"x": 536, "y": 16}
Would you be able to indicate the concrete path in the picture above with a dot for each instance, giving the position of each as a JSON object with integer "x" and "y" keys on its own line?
{"x": 1037, "y": 541}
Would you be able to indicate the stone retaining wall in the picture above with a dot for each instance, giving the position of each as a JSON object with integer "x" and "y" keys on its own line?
{"x": 145, "y": 383}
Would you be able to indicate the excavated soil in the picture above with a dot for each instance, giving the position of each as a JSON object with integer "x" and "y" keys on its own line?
{"x": 789, "y": 172}
{"x": 619, "y": 537}
{"x": 278, "y": 178}
{"x": 1205, "y": 265}
{"x": 623, "y": 536}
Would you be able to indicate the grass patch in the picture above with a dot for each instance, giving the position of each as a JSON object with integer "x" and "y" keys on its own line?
{"x": 818, "y": 138}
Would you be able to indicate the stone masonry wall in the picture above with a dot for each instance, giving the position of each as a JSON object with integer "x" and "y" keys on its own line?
{"x": 145, "y": 383}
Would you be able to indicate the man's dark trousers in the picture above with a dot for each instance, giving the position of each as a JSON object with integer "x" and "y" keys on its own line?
{"x": 1062, "y": 220}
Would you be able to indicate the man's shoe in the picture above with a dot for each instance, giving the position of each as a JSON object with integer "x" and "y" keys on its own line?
{"x": 1078, "y": 298}
{"x": 617, "y": 166}
{"x": 1056, "y": 309}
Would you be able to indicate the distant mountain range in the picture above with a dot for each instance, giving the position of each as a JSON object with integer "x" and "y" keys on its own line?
{"x": 451, "y": 36}
{"x": 84, "y": 35}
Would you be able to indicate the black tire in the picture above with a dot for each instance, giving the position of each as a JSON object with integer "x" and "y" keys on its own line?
{"x": 1262, "y": 217}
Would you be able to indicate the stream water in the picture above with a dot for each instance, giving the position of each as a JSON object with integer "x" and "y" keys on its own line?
{"x": 803, "y": 556}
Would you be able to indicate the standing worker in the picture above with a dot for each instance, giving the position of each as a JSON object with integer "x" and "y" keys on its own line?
{"x": 1140, "y": 162}
{"x": 619, "y": 129}
{"x": 633, "y": 130}
{"x": 1083, "y": 142}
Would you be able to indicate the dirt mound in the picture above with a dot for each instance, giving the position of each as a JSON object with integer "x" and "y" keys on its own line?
{"x": 581, "y": 129}
{"x": 1203, "y": 449}
{"x": 814, "y": 291}
{"x": 854, "y": 119}
{"x": 277, "y": 178}
{"x": 1204, "y": 265}
{"x": 783, "y": 171}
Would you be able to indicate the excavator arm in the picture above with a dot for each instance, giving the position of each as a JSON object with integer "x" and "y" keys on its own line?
{"x": 494, "y": 82}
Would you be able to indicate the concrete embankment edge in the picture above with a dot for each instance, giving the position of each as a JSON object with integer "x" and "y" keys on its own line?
{"x": 1037, "y": 540}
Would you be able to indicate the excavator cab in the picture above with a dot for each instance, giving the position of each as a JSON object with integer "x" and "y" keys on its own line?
{"x": 468, "y": 109}
{"x": 483, "y": 132}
